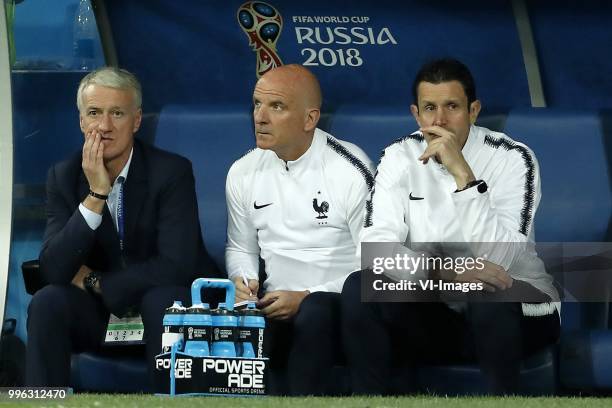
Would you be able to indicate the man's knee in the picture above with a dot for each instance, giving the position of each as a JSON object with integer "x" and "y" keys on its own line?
{"x": 317, "y": 311}
{"x": 49, "y": 305}
{"x": 353, "y": 308}
{"x": 351, "y": 291}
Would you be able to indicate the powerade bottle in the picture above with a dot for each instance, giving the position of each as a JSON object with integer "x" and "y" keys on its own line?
{"x": 225, "y": 325}
{"x": 251, "y": 332}
{"x": 198, "y": 325}
{"x": 173, "y": 326}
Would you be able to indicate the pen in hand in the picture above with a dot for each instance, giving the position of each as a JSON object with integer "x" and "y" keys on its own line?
{"x": 246, "y": 283}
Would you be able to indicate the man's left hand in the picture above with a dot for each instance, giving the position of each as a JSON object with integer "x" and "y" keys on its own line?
{"x": 77, "y": 281}
{"x": 281, "y": 304}
{"x": 446, "y": 149}
{"x": 79, "y": 278}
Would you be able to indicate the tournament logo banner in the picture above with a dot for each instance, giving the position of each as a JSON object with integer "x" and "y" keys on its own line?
{"x": 331, "y": 41}
{"x": 322, "y": 40}
{"x": 262, "y": 23}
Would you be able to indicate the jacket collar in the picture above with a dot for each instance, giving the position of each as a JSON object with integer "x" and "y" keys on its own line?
{"x": 471, "y": 143}
{"x": 310, "y": 156}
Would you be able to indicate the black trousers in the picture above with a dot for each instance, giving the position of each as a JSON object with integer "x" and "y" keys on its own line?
{"x": 63, "y": 319}
{"x": 307, "y": 347}
{"x": 497, "y": 335}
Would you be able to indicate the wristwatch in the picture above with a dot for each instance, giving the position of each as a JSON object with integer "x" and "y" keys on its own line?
{"x": 482, "y": 186}
{"x": 98, "y": 196}
{"x": 90, "y": 281}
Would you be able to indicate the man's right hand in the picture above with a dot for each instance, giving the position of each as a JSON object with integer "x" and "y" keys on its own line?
{"x": 93, "y": 161}
{"x": 244, "y": 292}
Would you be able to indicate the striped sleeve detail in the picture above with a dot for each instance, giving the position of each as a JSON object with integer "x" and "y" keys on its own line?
{"x": 414, "y": 136}
{"x": 353, "y": 160}
{"x": 369, "y": 203}
{"x": 529, "y": 187}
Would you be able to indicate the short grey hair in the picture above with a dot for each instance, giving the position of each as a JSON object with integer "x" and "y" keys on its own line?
{"x": 111, "y": 77}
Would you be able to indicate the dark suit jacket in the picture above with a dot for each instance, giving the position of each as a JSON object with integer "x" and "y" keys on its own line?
{"x": 162, "y": 244}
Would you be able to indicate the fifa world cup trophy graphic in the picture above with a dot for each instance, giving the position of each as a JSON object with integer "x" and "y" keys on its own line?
{"x": 262, "y": 23}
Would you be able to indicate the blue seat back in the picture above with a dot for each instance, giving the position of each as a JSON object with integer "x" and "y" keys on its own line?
{"x": 371, "y": 128}
{"x": 576, "y": 202}
{"x": 570, "y": 147}
{"x": 212, "y": 138}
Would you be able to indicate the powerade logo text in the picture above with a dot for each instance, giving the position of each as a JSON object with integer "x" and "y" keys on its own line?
{"x": 182, "y": 366}
{"x": 336, "y": 40}
{"x": 260, "y": 338}
{"x": 240, "y": 373}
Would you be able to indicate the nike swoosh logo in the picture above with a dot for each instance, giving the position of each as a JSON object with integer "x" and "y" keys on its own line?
{"x": 416, "y": 198}
{"x": 257, "y": 207}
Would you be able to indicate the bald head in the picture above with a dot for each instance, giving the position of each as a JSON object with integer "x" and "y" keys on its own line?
{"x": 286, "y": 110}
{"x": 297, "y": 81}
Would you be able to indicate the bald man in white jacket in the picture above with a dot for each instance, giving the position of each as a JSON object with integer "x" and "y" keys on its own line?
{"x": 297, "y": 201}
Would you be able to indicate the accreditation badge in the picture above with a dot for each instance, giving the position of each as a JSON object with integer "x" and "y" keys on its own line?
{"x": 126, "y": 330}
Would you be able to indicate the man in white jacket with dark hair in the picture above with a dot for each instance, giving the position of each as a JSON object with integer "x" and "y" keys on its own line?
{"x": 458, "y": 188}
{"x": 297, "y": 201}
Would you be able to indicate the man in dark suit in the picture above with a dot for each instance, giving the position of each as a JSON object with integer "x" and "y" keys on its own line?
{"x": 122, "y": 233}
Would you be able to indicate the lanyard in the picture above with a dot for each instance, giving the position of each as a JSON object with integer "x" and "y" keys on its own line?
{"x": 120, "y": 216}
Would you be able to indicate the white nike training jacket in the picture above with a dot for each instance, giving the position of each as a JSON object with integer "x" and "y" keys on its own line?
{"x": 415, "y": 203}
{"x": 303, "y": 217}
